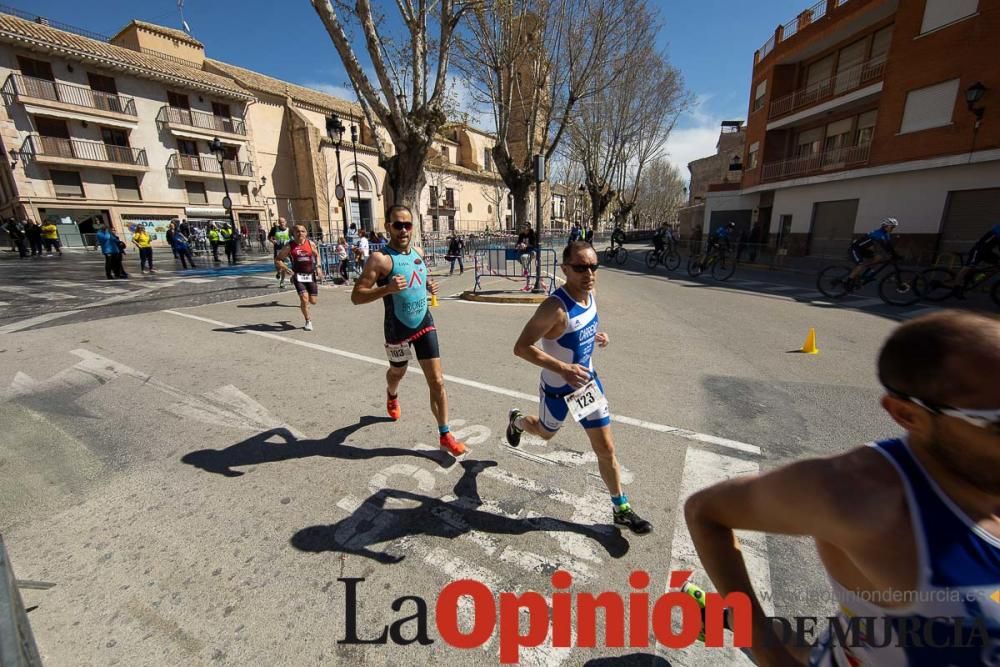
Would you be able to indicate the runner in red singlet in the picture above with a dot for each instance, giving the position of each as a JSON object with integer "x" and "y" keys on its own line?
{"x": 305, "y": 270}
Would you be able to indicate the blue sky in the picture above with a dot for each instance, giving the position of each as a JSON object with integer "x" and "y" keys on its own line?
{"x": 710, "y": 41}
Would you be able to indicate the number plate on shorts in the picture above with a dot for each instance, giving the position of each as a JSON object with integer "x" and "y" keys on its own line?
{"x": 399, "y": 352}
{"x": 586, "y": 400}
{"x": 304, "y": 277}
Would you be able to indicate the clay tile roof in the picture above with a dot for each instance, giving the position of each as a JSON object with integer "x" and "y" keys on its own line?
{"x": 19, "y": 31}
{"x": 301, "y": 94}
{"x": 172, "y": 32}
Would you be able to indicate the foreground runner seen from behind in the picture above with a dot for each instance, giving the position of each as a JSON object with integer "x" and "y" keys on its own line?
{"x": 908, "y": 529}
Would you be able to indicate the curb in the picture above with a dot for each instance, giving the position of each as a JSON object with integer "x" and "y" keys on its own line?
{"x": 502, "y": 297}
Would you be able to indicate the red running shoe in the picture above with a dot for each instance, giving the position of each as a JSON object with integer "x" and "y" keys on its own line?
{"x": 392, "y": 407}
{"x": 454, "y": 447}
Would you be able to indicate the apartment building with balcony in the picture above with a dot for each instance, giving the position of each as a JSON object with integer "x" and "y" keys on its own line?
{"x": 117, "y": 129}
{"x": 858, "y": 111}
{"x": 112, "y": 130}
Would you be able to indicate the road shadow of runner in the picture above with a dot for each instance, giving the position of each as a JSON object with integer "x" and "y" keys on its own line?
{"x": 276, "y": 327}
{"x": 268, "y": 304}
{"x": 374, "y": 523}
{"x": 257, "y": 449}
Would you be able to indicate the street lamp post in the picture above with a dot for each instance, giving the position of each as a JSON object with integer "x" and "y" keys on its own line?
{"x": 539, "y": 164}
{"x": 227, "y": 202}
{"x": 357, "y": 180}
{"x": 335, "y": 127}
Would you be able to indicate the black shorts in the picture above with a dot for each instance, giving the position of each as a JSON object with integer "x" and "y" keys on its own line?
{"x": 859, "y": 255}
{"x": 425, "y": 346}
{"x": 310, "y": 288}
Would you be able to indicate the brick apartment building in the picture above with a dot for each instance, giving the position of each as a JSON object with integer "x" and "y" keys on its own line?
{"x": 860, "y": 109}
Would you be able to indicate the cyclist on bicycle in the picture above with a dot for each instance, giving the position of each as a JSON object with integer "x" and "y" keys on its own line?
{"x": 983, "y": 252}
{"x": 661, "y": 237}
{"x": 864, "y": 251}
{"x": 719, "y": 239}
{"x": 618, "y": 236}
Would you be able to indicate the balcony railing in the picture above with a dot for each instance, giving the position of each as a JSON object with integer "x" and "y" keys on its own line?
{"x": 208, "y": 164}
{"x": 793, "y": 27}
{"x": 831, "y": 160}
{"x": 80, "y": 149}
{"x": 201, "y": 119}
{"x": 80, "y": 96}
{"x": 841, "y": 83}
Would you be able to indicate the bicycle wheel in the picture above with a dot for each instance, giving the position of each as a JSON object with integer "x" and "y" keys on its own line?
{"x": 671, "y": 261}
{"x": 832, "y": 281}
{"x": 652, "y": 259}
{"x": 724, "y": 268}
{"x": 695, "y": 265}
{"x": 622, "y": 256}
{"x": 898, "y": 288}
{"x": 934, "y": 284}
{"x": 609, "y": 255}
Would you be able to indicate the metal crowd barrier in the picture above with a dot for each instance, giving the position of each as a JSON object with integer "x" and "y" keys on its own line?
{"x": 17, "y": 644}
{"x": 510, "y": 263}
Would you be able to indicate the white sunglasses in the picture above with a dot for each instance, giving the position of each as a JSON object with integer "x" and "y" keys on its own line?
{"x": 981, "y": 418}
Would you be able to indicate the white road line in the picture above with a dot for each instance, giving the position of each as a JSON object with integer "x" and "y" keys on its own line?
{"x": 701, "y": 469}
{"x": 631, "y": 421}
{"x": 32, "y": 321}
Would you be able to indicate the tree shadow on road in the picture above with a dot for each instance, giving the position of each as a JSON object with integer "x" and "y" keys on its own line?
{"x": 257, "y": 449}
{"x": 374, "y": 523}
{"x": 276, "y": 327}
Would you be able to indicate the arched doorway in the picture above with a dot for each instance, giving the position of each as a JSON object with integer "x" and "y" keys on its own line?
{"x": 361, "y": 206}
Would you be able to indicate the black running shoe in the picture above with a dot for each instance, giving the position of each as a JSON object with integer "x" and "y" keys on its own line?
{"x": 513, "y": 432}
{"x": 632, "y": 521}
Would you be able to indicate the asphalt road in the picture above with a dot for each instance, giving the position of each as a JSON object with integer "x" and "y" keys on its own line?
{"x": 195, "y": 472}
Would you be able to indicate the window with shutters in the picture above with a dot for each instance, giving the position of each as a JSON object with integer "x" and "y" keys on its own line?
{"x": 244, "y": 194}
{"x": 759, "y": 92}
{"x": 38, "y": 69}
{"x": 866, "y": 128}
{"x": 67, "y": 183}
{"x": 178, "y": 100}
{"x": 196, "y": 192}
{"x": 939, "y": 13}
{"x": 929, "y": 107}
{"x": 127, "y": 188}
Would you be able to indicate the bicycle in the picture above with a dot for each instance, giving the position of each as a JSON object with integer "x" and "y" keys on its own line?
{"x": 617, "y": 253}
{"x": 668, "y": 256}
{"x": 896, "y": 288}
{"x": 722, "y": 267}
{"x": 938, "y": 283}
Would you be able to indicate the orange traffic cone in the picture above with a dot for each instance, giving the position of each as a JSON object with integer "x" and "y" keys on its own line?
{"x": 809, "y": 347}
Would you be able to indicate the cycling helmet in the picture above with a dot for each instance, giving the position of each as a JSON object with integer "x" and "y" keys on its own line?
{"x": 890, "y": 222}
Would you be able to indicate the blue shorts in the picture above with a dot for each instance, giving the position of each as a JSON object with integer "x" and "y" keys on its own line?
{"x": 552, "y": 409}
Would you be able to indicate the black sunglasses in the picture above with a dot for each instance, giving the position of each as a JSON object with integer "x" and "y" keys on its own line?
{"x": 400, "y": 226}
{"x": 582, "y": 268}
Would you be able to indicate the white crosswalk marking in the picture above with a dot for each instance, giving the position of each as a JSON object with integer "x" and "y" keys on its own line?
{"x": 702, "y": 469}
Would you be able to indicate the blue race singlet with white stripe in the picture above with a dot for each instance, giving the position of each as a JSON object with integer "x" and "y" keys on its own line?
{"x": 958, "y": 578}
{"x": 576, "y": 344}
{"x": 406, "y": 313}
